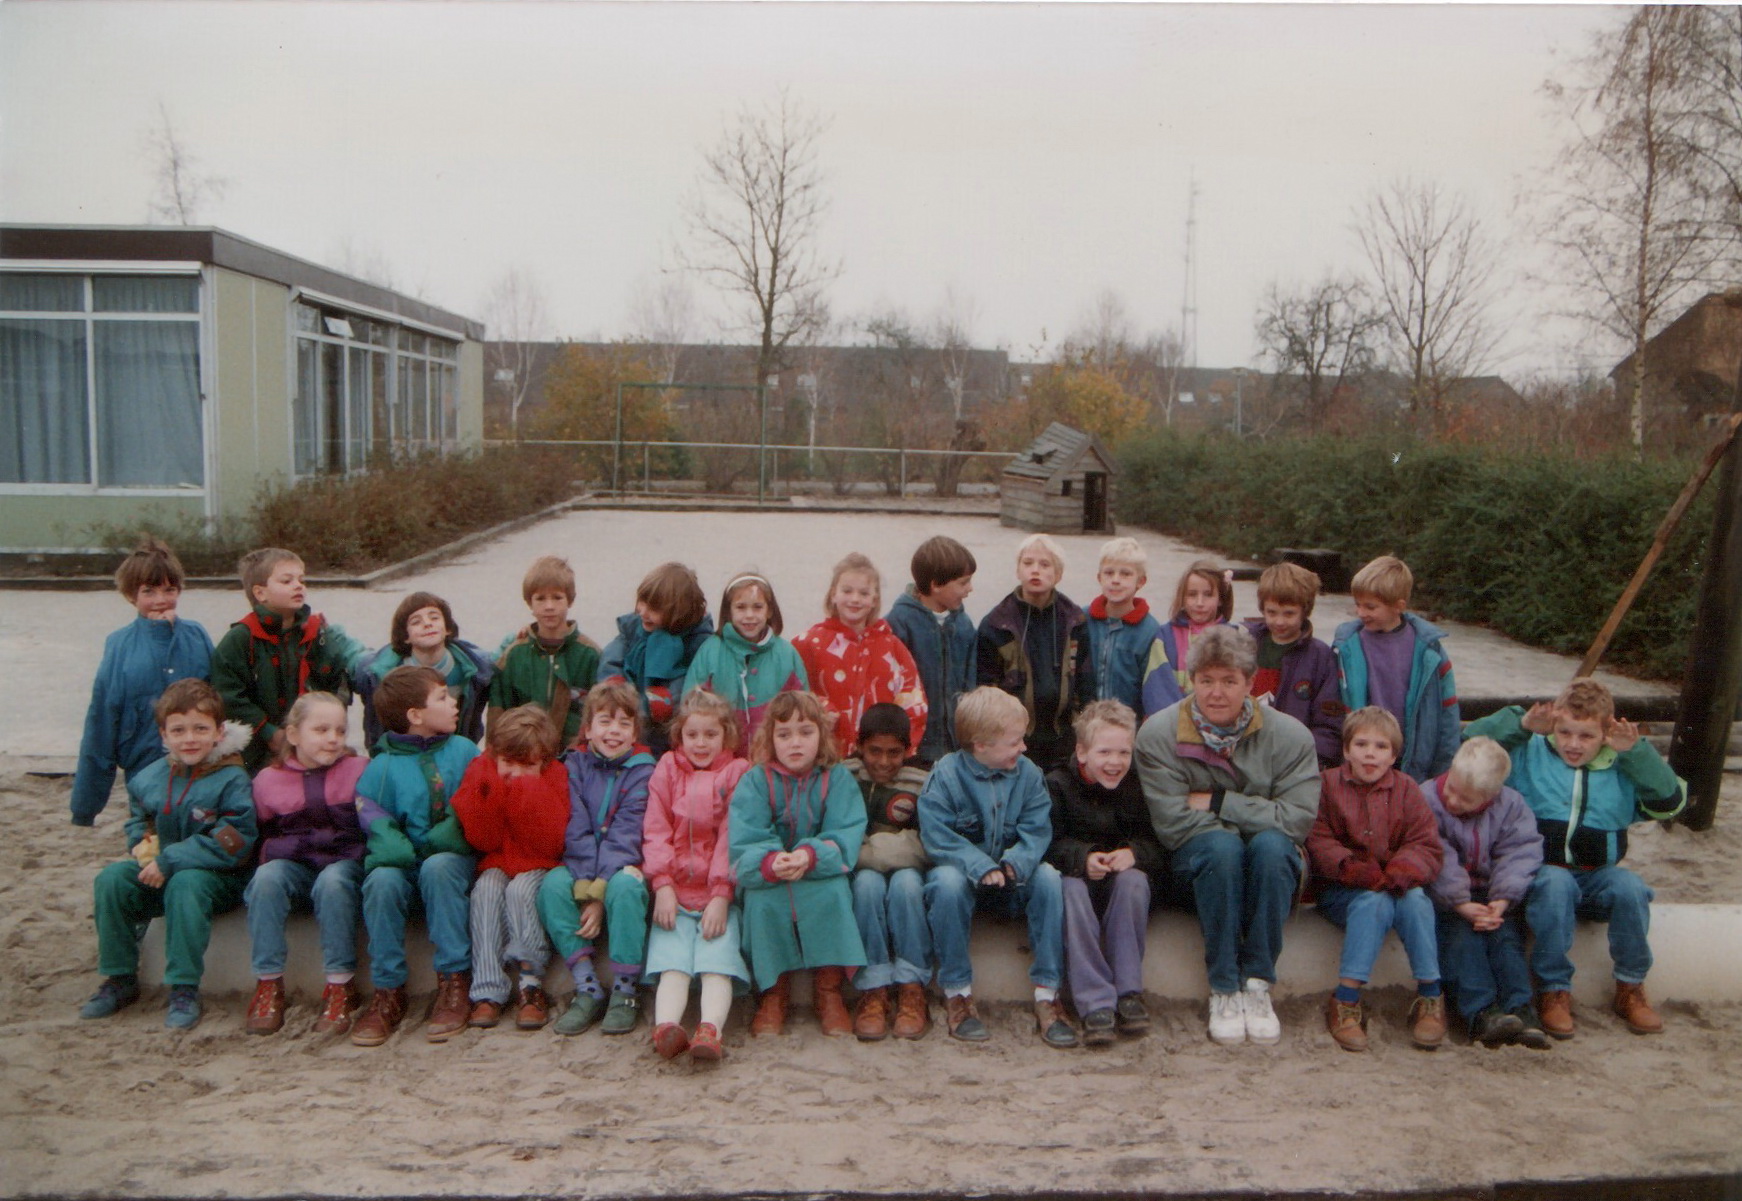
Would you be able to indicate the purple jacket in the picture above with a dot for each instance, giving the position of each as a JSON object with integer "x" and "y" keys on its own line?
{"x": 1492, "y": 853}
{"x": 310, "y": 816}
{"x": 1308, "y": 690}
{"x": 607, "y": 808}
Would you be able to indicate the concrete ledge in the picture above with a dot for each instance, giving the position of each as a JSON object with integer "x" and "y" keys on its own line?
{"x": 1688, "y": 941}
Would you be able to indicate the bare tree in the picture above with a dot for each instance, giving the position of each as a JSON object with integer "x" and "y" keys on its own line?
{"x": 1104, "y": 334}
{"x": 1431, "y": 261}
{"x": 1710, "y": 45}
{"x": 662, "y": 319}
{"x": 1627, "y": 209}
{"x": 515, "y": 314}
{"x": 754, "y": 225}
{"x": 181, "y": 189}
{"x": 1322, "y": 334}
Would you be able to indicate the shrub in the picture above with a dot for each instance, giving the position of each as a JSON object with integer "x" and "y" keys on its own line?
{"x": 1538, "y": 548}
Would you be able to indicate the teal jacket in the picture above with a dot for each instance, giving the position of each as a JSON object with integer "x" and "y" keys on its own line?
{"x": 469, "y": 679}
{"x": 1430, "y": 720}
{"x": 1583, "y": 812}
{"x": 203, "y": 818}
{"x": 405, "y": 795}
{"x": 747, "y": 675}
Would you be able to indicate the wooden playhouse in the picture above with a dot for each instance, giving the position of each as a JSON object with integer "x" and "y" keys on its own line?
{"x": 1062, "y": 484}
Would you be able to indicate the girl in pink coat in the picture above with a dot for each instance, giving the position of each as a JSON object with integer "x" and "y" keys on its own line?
{"x": 685, "y": 855}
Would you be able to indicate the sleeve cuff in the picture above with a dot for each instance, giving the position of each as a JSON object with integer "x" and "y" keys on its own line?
{"x": 812, "y": 852}
{"x": 1216, "y": 797}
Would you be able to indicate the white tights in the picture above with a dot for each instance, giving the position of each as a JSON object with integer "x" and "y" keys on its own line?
{"x": 672, "y": 997}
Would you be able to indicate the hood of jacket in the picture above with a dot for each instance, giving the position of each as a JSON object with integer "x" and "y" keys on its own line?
{"x": 233, "y": 739}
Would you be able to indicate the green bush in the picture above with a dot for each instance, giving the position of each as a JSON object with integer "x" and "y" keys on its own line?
{"x": 1537, "y": 548}
{"x": 357, "y": 524}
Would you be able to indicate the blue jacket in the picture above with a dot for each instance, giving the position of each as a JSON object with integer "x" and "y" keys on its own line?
{"x": 944, "y": 655}
{"x": 203, "y": 817}
{"x": 1432, "y": 729}
{"x": 978, "y": 818}
{"x": 140, "y": 660}
{"x": 1583, "y": 812}
{"x": 1123, "y": 652}
{"x": 656, "y": 662}
{"x": 405, "y": 795}
{"x": 1166, "y": 684}
{"x": 471, "y": 676}
{"x": 607, "y": 808}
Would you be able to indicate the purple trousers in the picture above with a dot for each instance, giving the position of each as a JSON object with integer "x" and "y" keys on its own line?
{"x": 1104, "y": 951}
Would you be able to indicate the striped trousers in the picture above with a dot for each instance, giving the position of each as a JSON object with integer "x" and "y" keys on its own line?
{"x": 505, "y": 929}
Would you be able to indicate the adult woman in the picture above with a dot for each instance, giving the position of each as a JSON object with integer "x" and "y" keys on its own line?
{"x": 1232, "y": 789}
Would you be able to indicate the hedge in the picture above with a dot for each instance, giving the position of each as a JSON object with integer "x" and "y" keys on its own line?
{"x": 1537, "y": 548}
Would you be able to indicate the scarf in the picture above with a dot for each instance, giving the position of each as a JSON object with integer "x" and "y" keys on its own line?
{"x": 1222, "y": 739}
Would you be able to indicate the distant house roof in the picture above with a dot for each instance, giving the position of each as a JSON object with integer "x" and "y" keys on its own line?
{"x": 1058, "y": 451}
{"x": 203, "y": 244}
{"x": 1698, "y": 356}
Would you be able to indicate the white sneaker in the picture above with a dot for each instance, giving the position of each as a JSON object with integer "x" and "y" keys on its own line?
{"x": 1261, "y": 1024}
{"x": 1227, "y": 1019}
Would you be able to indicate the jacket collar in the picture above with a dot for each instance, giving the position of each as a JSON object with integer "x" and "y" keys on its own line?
{"x": 1139, "y": 610}
{"x": 1187, "y": 730}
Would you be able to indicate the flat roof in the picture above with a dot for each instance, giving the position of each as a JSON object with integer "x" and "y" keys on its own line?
{"x": 220, "y": 248}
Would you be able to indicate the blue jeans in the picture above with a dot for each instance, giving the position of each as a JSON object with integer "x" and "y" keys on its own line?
{"x": 280, "y": 885}
{"x": 1559, "y": 897}
{"x": 1366, "y": 916}
{"x": 951, "y": 899}
{"x": 890, "y": 912}
{"x": 1242, "y": 890}
{"x": 1484, "y": 968}
{"x": 441, "y": 884}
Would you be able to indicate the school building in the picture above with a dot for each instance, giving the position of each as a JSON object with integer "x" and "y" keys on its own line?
{"x": 171, "y": 373}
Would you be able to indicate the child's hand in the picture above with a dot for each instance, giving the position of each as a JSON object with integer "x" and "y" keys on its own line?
{"x": 1361, "y": 873}
{"x": 714, "y": 918}
{"x": 790, "y": 866}
{"x": 665, "y": 908}
{"x": 592, "y": 919}
{"x": 1122, "y": 860}
{"x": 994, "y": 878}
{"x": 1199, "y": 801}
{"x": 151, "y": 875}
{"x": 1623, "y": 736}
{"x": 1498, "y": 909}
{"x": 1095, "y": 866}
{"x": 1540, "y": 718}
{"x": 1473, "y": 913}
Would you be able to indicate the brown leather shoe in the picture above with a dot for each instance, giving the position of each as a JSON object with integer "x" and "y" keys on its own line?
{"x": 266, "y": 1009}
{"x": 1632, "y": 1008}
{"x": 771, "y": 1010}
{"x": 534, "y": 1011}
{"x": 1347, "y": 1024}
{"x": 485, "y": 1015}
{"x": 1427, "y": 1022}
{"x": 964, "y": 1020}
{"x": 451, "y": 1010}
{"x": 912, "y": 1014}
{"x": 386, "y": 1010}
{"x": 338, "y": 1003}
{"x": 871, "y": 1016}
{"x": 831, "y": 1009}
{"x": 1556, "y": 1010}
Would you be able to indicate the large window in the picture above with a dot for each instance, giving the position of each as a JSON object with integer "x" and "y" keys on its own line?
{"x": 369, "y": 389}
{"x": 100, "y": 380}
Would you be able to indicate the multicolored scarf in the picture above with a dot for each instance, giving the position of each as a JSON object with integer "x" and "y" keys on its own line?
{"x": 1222, "y": 739}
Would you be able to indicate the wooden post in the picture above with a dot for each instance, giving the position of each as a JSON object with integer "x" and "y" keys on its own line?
{"x": 1714, "y": 679}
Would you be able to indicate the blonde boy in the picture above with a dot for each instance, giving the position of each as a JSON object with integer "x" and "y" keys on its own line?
{"x": 1587, "y": 776}
{"x": 1123, "y": 636}
{"x": 1297, "y": 673}
{"x": 1391, "y": 658}
{"x": 986, "y": 820}
{"x": 279, "y": 651}
{"x": 1033, "y": 646}
{"x": 549, "y": 662}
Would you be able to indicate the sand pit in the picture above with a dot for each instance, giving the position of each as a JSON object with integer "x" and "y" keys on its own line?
{"x": 124, "y": 1108}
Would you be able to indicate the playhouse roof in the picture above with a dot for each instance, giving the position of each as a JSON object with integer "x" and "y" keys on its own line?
{"x": 1058, "y": 451}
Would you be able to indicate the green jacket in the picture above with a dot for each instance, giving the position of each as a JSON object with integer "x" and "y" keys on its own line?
{"x": 528, "y": 674}
{"x": 204, "y": 816}
{"x": 263, "y": 663}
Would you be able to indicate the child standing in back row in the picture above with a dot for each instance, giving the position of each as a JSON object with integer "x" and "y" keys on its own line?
{"x": 1033, "y": 645}
{"x": 748, "y": 663}
{"x": 687, "y": 857}
{"x": 854, "y": 660}
{"x": 932, "y": 624}
{"x": 1203, "y": 598}
{"x": 656, "y": 644}
{"x": 1391, "y": 658}
{"x": 548, "y": 663}
{"x": 424, "y": 632}
{"x": 1124, "y": 640}
{"x": 140, "y": 660}
{"x": 1297, "y": 674}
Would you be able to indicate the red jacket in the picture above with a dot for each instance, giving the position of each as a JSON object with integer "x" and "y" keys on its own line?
{"x": 1386, "y": 825}
{"x": 852, "y": 672}
{"x": 517, "y": 822}
{"x": 684, "y": 840}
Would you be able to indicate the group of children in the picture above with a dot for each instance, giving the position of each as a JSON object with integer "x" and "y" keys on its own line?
{"x": 714, "y": 809}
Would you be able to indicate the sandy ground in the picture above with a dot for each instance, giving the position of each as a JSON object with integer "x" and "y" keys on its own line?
{"x": 125, "y": 1108}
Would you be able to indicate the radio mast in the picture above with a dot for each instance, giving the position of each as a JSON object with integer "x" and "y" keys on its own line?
{"x": 1188, "y": 313}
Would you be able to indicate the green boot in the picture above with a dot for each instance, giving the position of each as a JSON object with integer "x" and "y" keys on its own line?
{"x": 622, "y": 1015}
{"x": 582, "y": 1012}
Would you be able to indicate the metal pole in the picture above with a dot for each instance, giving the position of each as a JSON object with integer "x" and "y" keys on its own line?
{"x": 647, "y": 468}
{"x": 1714, "y": 680}
{"x": 762, "y": 443}
{"x": 617, "y": 445}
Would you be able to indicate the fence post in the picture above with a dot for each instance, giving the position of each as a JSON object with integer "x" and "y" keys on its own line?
{"x": 904, "y": 473}
{"x": 647, "y": 467}
{"x": 617, "y": 443}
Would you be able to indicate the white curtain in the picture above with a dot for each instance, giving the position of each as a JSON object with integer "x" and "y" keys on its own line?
{"x": 148, "y": 404}
{"x": 45, "y": 435}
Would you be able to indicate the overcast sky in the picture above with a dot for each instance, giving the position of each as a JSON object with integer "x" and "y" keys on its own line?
{"x": 1027, "y": 157}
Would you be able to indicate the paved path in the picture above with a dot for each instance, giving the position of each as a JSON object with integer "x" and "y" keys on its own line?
{"x": 50, "y": 641}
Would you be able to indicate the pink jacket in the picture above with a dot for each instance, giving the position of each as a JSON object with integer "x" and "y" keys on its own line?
{"x": 852, "y": 672}
{"x": 684, "y": 838}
